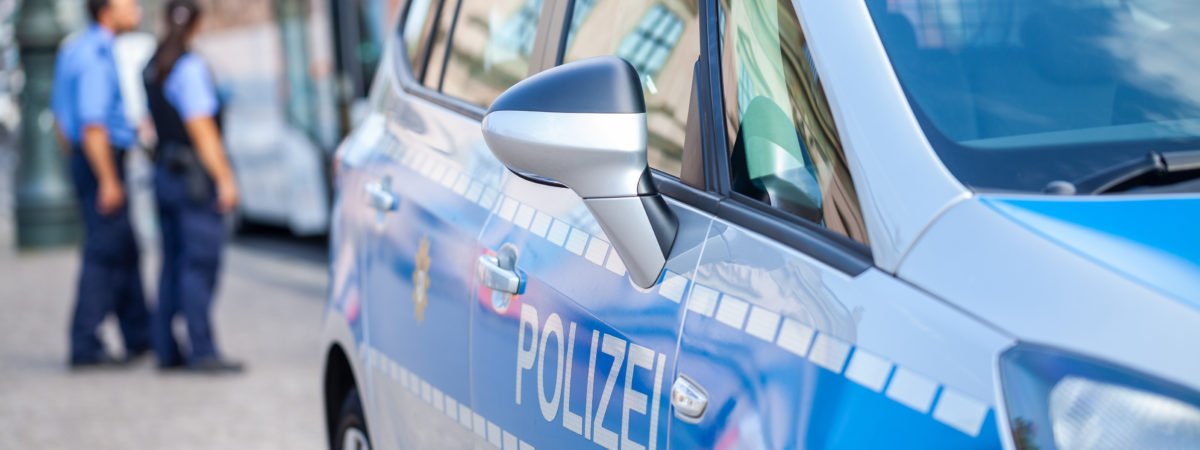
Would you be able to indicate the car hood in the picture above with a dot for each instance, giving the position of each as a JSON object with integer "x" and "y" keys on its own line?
{"x": 1155, "y": 241}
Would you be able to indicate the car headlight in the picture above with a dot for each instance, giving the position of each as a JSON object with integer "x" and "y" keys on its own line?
{"x": 1057, "y": 400}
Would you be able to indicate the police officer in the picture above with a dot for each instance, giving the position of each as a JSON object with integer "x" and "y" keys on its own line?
{"x": 194, "y": 187}
{"x": 90, "y": 115}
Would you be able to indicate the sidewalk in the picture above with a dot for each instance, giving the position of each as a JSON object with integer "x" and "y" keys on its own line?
{"x": 267, "y": 314}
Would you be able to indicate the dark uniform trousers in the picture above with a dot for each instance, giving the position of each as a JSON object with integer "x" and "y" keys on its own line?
{"x": 193, "y": 233}
{"x": 109, "y": 280}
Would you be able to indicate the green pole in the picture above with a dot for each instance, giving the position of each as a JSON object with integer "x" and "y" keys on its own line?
{"x": 45, "y": 203}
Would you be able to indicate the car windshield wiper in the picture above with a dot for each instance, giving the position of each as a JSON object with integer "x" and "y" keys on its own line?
{"x": 1154, "y": 169}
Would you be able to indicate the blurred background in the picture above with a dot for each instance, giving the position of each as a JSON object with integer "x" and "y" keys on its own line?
{"x": 293, "y": 76}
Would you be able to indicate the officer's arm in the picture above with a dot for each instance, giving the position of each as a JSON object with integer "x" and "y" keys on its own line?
{"x": 100, "y": 155}
{"x": 207, "y": 139}
{"x": 94, "y": 103}
{"x": 191, "y": 91}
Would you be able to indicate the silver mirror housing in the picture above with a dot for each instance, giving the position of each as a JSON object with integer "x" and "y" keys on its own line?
{"x": 583, "y": 125}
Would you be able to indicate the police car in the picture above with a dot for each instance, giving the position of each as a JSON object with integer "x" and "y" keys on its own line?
{"x": 650, "y": 224}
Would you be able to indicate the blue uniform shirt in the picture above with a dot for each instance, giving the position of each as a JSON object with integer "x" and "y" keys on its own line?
{"x": 87, "y": 91}
{"x": 189, "y": 88}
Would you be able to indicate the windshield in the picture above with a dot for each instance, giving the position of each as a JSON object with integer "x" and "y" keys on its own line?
{"x": 1014, "y": 94}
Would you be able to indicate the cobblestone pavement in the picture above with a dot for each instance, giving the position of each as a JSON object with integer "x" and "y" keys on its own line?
{"x": 267, "y": 314}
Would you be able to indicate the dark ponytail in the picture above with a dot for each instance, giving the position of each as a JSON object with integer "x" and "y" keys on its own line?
{"x": 182, "y": 16}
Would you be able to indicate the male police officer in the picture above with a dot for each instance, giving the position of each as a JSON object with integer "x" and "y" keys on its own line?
{"x": 90, "y": 115}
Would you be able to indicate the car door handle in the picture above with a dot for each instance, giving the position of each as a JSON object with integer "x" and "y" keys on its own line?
{"x": 498, "y": 272}
{"x": 379, "y": 198}
{"x": 689, "y": 399}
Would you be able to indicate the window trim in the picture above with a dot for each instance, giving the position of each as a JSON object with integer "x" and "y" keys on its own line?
{"x": 560, "y": 52}
{"x": 417, "y": 72}
{"x": 836, "y": 250}
{"x": 449, "y": 45}
{"x": 408, "y": 81}
{"x": 717, "y": 176}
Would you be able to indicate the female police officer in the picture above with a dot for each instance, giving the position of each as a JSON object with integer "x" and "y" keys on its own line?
{"x": 194, "y": 187}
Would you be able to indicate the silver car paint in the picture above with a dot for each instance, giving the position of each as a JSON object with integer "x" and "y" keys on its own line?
{"x": 924, "y": 226}
{"x": 450, "y": 146}
{"x": 901, "y": 183}
{"x": 630, "y": 231}
{"x": 873, "y": 310}
{"x": 982, "y": 262}
{"x": 596, "y": 155}
{"x": 601, "y": 157}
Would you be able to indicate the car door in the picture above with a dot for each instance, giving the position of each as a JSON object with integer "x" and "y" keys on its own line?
{"x": 431, "y": 182}
{"x": 792, "y": 338}
{"x": 580, "y": 353}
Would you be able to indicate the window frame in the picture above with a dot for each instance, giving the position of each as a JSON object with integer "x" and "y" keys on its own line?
{"x": 716, "y": 197}
{"x": 418, "y": 72}
{"x": 832, "y": 248}
{"x": 411, "y": 81}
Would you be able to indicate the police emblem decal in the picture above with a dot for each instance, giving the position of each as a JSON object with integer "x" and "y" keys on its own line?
{"x": 420, "y": 279}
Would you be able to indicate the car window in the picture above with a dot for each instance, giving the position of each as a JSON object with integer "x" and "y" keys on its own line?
{"x": 661, "y": 39}
{"x": 490, "y": 48}
{"x": 786, "y": 151}
{"x": 416, "y": 30}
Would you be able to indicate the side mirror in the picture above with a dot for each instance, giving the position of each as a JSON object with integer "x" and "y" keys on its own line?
{"x": 583, "y": 125}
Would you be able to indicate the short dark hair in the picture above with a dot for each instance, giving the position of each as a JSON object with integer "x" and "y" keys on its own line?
{"x": 94, "y": 7}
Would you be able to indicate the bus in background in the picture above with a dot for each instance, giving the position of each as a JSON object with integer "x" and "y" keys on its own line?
{"x": 271, "y": 61}
{"x": 296, "y": 74}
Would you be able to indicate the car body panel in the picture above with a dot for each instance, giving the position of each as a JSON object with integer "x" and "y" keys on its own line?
{"x": 1059, "y": 298}
{"x": 620, "y": 339}
{"x": 902, "y": 185}
{"x": 790, "y": 351}
{"x": 419, "y": 267}
{"x": 1152, "y": 240}
{"x": 794, "y": 353}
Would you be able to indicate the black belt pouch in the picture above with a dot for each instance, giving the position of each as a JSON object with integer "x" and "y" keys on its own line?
{"x": 181, "y": 161}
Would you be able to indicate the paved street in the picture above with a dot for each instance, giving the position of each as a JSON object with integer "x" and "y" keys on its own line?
{"x": 267, "y": 314}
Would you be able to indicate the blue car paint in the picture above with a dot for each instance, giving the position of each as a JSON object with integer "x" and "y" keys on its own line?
{"x": 346, "y": 238}
{"x": 750, "y": 380}
{"x": 1152, "y": 240}
{"x": 761, "y": 394}
{"x": 435, "y": 347}
{"x": 765, "y": 397}
{"x": 601, "y": 305}
{"x": 765, "y": 393}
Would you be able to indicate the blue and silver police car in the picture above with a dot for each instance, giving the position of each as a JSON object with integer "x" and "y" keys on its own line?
{"x": 651, "y": 224}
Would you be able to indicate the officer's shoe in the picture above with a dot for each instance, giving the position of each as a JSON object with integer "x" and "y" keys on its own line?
{"x": 132, "y": 356}
{"x": 213, "y": 365}
{"x": 103, "y": 361}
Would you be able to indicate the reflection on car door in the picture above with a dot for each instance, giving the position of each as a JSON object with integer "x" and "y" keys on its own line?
{"x": 811, "y": 346}
{"x": 579, "y": 353}
{"x": 794, "y": 353}
{"x": 426, "y": 180}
